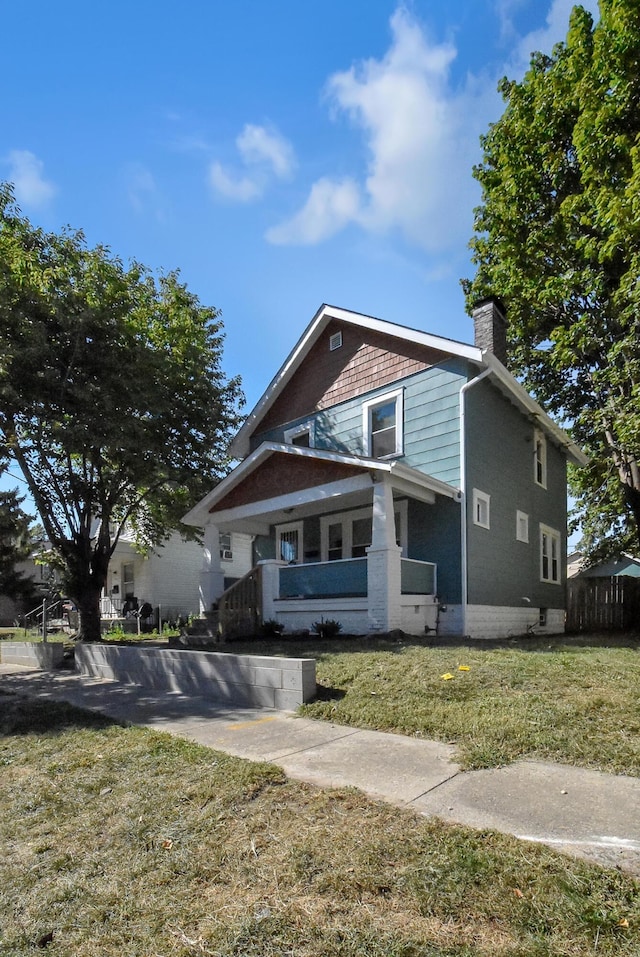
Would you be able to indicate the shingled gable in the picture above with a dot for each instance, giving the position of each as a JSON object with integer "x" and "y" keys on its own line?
{"x": 373, "y": 353}
{"x": 274, "y": 471}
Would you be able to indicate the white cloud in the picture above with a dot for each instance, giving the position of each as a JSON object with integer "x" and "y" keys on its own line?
{"x": 26, "y": 173}
{"x": 258, "y": 146}
{"x": 142, "y": 190}
{"x": 420, "y": 137}
{"x": 330, "y": 206}
{"x": 263, "y": 153}
{"x": 241, "y": 189}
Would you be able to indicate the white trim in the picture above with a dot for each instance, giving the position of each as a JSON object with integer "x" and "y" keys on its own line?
{"x": 522, "y": 527}
{"x": 540, "y": 458}
{"x": 554, "y": 538}
{"x": 346, "y": 519}
{"x": 240, "y": 444}
{"x": 296, "y": 430}
{"x": 397, "y": 396}
{"x": 481, "y": 509}
{"x": 406, "y": 476}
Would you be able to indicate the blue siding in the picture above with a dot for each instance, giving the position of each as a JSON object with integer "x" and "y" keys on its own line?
{"x": 500, "y": 449}
{"x": 434, "y": 536}
{"x": 325, "y": 580}
{"x": 431, "y": 421}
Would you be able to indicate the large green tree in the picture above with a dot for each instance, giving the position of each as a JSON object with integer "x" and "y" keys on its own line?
{"x": 113, "y": 401}
{"x": 557, "y": 238}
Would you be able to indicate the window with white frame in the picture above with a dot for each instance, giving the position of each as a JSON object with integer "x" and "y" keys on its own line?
{"x": 539, "y": 458}
{"x": 226, "y": 550}
{"x": 382, "y": 421}
{"x": 302, "y": 435}
{"x": 481, "y": 508}
{"x": 522, "y": 526}
{"x": 289, "y": 543}
{"x": 348, "y": 534}
{"x": 549, "y": 555}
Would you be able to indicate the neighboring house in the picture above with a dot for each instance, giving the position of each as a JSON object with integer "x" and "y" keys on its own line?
{"x": 395, "y": 479}
{"x": 623, "y": 565}
{"x": 574, "y": 564}
{"x": 168, "y": 578}
{"x": 45, "y": 582}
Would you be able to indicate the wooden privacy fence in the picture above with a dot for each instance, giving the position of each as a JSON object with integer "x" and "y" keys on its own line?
{"x": 603, "y": 604}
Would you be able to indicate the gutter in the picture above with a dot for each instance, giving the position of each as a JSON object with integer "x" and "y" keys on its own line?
{"x": 463, "y": 494}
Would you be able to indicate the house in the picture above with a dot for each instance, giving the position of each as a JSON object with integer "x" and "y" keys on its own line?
{"x": 390, "y": 479}
{"x": 168, "y": 578}
{"x": 624, "y": 564}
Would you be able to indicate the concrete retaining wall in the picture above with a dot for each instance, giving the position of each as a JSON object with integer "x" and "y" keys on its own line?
{"x": 251, "y": 680}
{"x": 32, "y": 654}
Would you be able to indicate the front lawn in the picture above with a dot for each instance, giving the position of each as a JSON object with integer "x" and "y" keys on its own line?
{"x": 567, "y": 700}
{"x": 121, "y": 842}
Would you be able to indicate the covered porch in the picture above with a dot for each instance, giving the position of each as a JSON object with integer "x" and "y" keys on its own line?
{"x": 331, "y": 541}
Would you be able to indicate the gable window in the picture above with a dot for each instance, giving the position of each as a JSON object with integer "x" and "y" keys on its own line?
{"x": 539, "y": 458}
{"x": 226, "y": 552}
{"x": 522, "y": 526}
{"x": 481, "y": 508}
{"x": 382, "y": 425}
{"x": 348, "y": 535}
{"x": 335, "y": 341}
{"x": 549, "y": 555}
{"x": 301, "y": 435}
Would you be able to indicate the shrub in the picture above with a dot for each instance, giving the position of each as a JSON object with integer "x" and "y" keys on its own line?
{"x": 327, "y": 628}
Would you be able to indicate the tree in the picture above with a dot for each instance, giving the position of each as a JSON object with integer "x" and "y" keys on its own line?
{"x": 15, "y": 545}
{"x": 112, "y": 398}
{"x": 557, "y": 238}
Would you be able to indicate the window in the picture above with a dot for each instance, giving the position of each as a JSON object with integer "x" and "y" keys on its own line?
{"x": 382, "y": 425}
{"x": 226, "y": 551}
{"x": 301, "y": 435}
{"x": 540, "y": 458}
{"x": 349, "y": 534}
{"x": 128, "y": 582}
{"x": 289, "y": 543}
{"x": 549, "y": 555}
{"x": 522, "y": 526}
{"x": 335, "y": 341}
{"x": 481, "y": 504}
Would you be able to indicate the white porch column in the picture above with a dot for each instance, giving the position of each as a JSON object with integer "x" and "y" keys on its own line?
{"x": 383, "y": 563}
{"x": 270, "y": 586}
{"x": 211, "y": 574}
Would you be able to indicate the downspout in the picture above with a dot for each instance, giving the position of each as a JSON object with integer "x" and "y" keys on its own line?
{"x": 463, "y": 495}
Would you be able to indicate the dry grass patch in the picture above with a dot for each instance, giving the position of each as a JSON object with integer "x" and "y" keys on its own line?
{"x": 570, "y": 703}
{"x": 122, "y": 841}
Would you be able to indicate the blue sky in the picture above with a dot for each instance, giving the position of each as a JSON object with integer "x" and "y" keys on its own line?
{"x": 281, "y": 154}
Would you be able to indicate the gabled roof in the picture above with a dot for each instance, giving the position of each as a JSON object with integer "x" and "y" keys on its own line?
{"x": 439, "y": 344}
{"x": 322, "y": 318}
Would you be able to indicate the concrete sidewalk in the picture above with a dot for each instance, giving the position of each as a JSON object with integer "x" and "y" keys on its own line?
{"x": 585, "y": 813}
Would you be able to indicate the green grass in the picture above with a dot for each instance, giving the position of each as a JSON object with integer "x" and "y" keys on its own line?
{"x": 571, "y": 701}
{"x": 122, "y": 841}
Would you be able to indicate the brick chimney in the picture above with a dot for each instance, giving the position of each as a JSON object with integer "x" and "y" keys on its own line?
{"x": 490, "y": 327}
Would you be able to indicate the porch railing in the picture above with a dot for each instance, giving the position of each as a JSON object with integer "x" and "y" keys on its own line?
{"x": 340, "y": 579}
{"x": 417, "y": 578}
{"x": 111, "y": 607}
{"x": 240, "y": 606}
{"x": 347, "y": 578}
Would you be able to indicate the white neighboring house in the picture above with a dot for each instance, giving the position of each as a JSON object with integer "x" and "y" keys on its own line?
{"x": 169, "y": 577}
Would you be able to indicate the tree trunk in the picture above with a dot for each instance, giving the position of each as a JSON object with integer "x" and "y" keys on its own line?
{"x": 88, "y": 602}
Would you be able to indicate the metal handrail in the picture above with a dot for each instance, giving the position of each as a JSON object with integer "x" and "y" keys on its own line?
{"x": 42, "y": 614}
